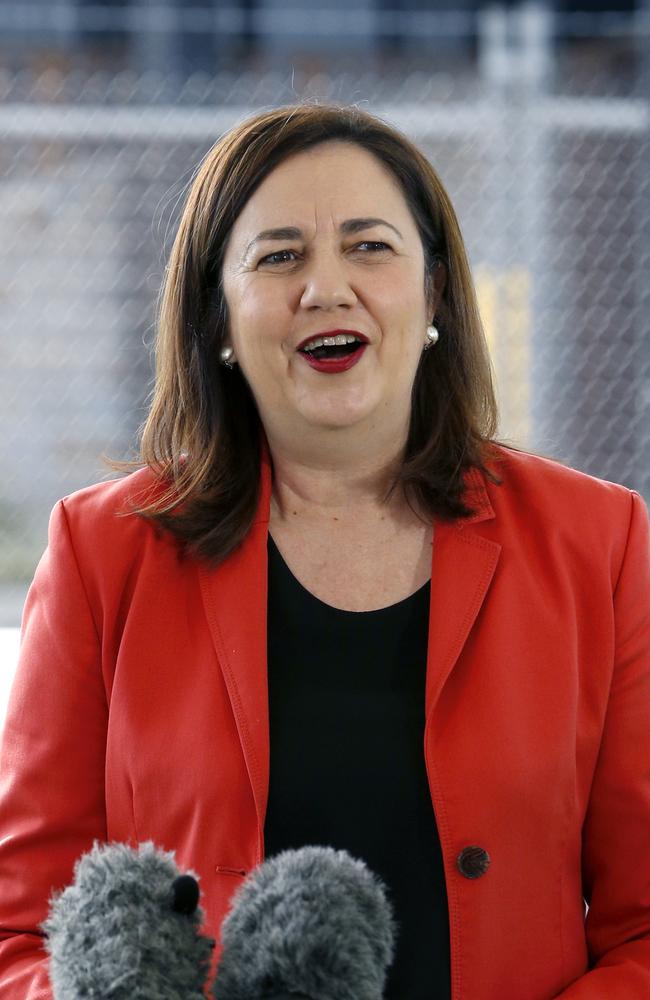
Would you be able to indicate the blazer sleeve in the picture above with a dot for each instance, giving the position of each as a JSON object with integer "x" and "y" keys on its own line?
{"x": 616, "y": 831}
{"x": 52, "y": 759}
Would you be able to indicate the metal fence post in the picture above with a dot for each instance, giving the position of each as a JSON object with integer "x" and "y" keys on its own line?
{"x": 533, "y": 60}
{"x": 642, "y": 396}
{"x": 515, "y": 59}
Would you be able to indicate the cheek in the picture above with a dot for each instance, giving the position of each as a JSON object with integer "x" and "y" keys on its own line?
{"x": 262, "y": 378}
{"x": 401, "y": 299}
{"x": 261, "y": 311}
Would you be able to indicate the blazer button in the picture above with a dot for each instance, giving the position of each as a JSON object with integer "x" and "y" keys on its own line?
{"x": 472, "y": 862}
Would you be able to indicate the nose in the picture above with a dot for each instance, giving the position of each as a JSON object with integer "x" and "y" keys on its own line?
{"x": 326, "y": 283}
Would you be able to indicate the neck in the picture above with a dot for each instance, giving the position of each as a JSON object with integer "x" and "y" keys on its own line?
{"x": 306, "y": 488}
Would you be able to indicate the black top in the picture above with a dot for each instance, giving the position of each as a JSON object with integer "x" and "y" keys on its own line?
{"x": 347, "y": 769}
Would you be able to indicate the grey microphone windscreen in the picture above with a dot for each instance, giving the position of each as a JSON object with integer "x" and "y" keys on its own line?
{"x": 313, "y": 921}
{"x": 127, "y": 928}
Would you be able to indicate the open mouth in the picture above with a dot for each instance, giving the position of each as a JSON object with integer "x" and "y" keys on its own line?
{"x": 335, "y": 351}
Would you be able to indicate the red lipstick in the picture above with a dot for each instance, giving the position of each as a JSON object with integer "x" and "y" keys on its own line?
{"x": 333, "y": 365}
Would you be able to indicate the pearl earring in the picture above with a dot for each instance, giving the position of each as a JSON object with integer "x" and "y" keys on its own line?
{"x": 432, "y": 336}
{"x": 226, "y": 356}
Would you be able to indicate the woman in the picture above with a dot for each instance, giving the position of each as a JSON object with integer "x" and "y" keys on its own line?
{"x": 333, "y": 609}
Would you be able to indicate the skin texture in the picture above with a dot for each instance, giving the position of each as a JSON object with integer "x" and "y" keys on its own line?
{"x": 334, "y": 439}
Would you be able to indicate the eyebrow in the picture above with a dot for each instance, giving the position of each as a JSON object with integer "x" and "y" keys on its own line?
{"x": 291, "y": 233}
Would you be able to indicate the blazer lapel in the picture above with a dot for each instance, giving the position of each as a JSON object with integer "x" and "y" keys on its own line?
{"x": 235, "y": 600}
{"x": 462, "y": 566}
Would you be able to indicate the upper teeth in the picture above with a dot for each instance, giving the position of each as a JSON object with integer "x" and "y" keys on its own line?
{"x": 341, "y": 338}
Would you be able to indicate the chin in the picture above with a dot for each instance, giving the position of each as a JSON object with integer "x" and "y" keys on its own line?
{"x": 338, "y": 411}
{"x": 327, "y": 421}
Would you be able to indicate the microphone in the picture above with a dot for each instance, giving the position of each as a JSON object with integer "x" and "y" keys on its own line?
{"x": 128, "y": 929}
{"x": 307, "y": 924}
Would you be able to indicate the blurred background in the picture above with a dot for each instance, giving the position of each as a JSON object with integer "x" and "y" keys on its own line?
{"x": 536, "y": 116}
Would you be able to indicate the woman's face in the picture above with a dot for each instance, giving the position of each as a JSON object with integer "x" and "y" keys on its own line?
{"x": 280, "y": 291}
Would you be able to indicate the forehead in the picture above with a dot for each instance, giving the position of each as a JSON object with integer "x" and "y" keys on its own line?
{"x": 327, "y": 183}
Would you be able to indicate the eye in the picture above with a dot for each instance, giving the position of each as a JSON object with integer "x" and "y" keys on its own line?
{"x": 278, "y": 253}
{"x": 372, "y": 243}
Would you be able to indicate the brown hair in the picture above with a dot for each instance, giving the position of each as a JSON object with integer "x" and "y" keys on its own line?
{"x": 203, "y": 432}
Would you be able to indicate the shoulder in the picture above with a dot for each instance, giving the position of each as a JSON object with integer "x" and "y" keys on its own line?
{"x": 542, "y": 496}
{"x": 101, "y": 519}
{"x": 105, "y": 504}
{"x": 109, "y": 498}
{"x": 544, "y": 482}
{"x": 113, "y": 559}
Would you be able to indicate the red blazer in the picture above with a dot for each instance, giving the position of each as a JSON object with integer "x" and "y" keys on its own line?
{"x": 139, "y": 712}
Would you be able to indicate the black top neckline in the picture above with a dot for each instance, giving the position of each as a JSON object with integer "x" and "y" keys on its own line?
{"x": 278, "y": 558}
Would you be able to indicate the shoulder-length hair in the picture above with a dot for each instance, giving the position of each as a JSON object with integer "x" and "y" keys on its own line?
{"x": 203, "y": 435}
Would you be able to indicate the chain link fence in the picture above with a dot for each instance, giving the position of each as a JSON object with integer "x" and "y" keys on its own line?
{"x": 550, "y": 185}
